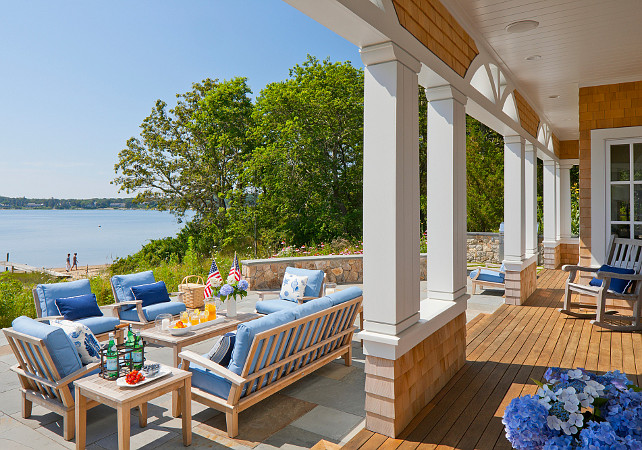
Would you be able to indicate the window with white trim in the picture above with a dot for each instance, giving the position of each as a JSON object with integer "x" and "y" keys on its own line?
{"x": 624, "y": 187}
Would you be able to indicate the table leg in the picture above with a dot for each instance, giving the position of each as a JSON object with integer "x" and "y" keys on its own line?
{"x": 123, "y": 413}
{"x": 186, "y": 406}
{"x": 81, "y": 419}
{"x": 142, "y": 415}
{"x": 176, "y": 406}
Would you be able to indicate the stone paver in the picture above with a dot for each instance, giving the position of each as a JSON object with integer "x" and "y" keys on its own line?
{"x": 328, "y": 422}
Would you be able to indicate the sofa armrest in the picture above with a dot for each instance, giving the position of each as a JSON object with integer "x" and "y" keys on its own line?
{"x": 603, "y": 275}
{"x": 57, "y": 384}
{"x": 190, "y": 356}
{"x": 119, "y": 305}
{"x": 262, "y": 294}
{"x": 572, "y": 268}
{"x": 42, "y": 319}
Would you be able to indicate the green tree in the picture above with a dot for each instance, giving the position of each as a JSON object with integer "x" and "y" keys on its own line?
{"x": 308, "y": 167}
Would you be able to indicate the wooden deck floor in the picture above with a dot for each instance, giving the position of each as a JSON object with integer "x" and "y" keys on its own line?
{"x": 504, "y": 351}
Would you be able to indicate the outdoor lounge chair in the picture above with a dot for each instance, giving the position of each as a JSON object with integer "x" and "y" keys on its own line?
{"x": 48, "y": 364}
{"x": 618, "y": 279}
{"x": 136, "y": 313}
{"x": 491, "y": 278}
{"x": 45, "y": 296}
{"x": 313, "y": 289}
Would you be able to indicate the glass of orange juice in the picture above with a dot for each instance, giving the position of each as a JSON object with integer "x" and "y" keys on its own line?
{"x": 205, "y": 316}
{"x": 195, "y": 317}
{"x": 185, "y": 317}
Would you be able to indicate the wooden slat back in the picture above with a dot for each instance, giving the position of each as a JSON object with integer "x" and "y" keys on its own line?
{"x": 282, "y": 350}
{"x": 34, "y": 358}
{"x": 625, "y": 253}
{"x": 36, "y": 302}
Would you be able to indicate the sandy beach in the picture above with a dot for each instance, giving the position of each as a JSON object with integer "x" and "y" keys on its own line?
{"x": 84, "y": 271}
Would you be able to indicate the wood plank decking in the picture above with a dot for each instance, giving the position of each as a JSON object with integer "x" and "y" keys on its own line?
{"x": 505, "y": 350}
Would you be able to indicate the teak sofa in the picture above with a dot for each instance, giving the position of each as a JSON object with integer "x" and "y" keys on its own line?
{"x": 273, "y": 352}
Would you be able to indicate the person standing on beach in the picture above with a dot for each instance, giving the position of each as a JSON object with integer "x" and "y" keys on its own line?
{"x": 74, "y": 265}
{"x": 68, "y": 266}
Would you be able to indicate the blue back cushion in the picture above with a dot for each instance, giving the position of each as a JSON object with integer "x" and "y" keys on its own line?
{"x": 221, "y": 352}
{"x": 315, "y": 280}
{"x": 79, "y": 307}
{"x": 123, "y": 284}
{"x": 151, "y": 293}
{"x": 617, "y": 284}
{"x": 62, "y": 350}
{"x": 345, "y": 295}
{"x": 48, "y": 293}
{"x": 246, "y": 331}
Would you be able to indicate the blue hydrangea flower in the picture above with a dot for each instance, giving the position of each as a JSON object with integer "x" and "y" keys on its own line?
{"x": 226, "y": 290}
{"x": 562, "y": 442}
{"x": 243, "y": 285}
{"x": 525, "y": 423}
{"x": 600, "y": 436}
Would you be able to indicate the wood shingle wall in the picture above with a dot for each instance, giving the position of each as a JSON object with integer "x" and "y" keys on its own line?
{"x": 528, "y": 118}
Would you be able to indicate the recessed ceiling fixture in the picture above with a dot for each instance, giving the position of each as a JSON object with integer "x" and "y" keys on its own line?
{"x": 553, "y": 96}
{"x": 533, "y": 58}
{"x": 522, "y": 26}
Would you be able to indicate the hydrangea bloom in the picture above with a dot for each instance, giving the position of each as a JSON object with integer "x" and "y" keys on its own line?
{"x": 243, "y": 285}
{"x": 525, "y": 423}
{"x": 226, "y": 290}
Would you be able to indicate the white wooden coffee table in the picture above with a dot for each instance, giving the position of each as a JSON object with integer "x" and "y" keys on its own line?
{"x": 95, "y": 389}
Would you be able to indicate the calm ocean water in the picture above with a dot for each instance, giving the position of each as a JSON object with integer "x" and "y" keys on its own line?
{"x": 44, "y": 237}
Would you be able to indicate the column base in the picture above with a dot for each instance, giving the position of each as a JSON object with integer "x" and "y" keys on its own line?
{"x": 520, "y": 283}
{"x": 552, "y": 254}
{"x": 569, "y": 251}
{"x": 397, "y": 390}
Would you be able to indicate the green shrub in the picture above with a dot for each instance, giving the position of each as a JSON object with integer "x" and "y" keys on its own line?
{"x": 15, "y": 300}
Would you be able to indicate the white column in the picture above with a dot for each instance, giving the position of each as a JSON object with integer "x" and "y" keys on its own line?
{"x": 390, "y": 189}
{"x": 557, "y": 200}
{"x": 530, "y": 177}
{"x": 446, "y": 194}
{"x": 514, "y": 200}
{"x": 550, "y": 203}
{"x": 565, "y": 200}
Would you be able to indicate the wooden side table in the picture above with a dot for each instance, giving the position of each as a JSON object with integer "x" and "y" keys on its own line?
{"x": 123, "y": 399}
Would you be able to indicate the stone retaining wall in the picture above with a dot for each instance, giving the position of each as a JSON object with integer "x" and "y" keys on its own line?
{"x": 484, "y": 247}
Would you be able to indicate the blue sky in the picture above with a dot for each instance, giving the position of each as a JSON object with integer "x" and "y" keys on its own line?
{"x": 78, "y": 77}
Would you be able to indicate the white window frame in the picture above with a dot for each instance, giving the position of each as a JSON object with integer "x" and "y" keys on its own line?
{"x": 600, "y": 173}
{"x": 630, "y": 183}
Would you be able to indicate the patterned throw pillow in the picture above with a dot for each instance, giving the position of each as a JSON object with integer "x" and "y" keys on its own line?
{"x": 83, "y": 339}
{"x": 293, "y": 287}
{"x": 221, "y": 352}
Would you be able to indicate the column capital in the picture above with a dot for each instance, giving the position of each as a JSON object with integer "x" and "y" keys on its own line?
{"x": 568, "y": 163}
{"x": 549, "y": 162}
{"x": 389, "y": 52}
{"x": 445, "y": 92}
{"x": 513, "y": 139}
{"x": 529, "y": 147}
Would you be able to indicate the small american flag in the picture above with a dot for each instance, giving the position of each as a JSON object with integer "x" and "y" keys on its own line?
{"x": 214, "y": 275}
{"x": 235, "y": 270}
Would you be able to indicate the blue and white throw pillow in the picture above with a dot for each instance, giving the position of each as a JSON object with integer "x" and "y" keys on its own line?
{"x": 221, "y": 352}
{"x": 293, "y": 287}
{"x": 83, "y": 339}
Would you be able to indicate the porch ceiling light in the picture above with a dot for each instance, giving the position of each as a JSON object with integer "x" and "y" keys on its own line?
{"x": 554, "y": 96}
{"x": 522, "y": 26}
{"x": 533, "y": 58}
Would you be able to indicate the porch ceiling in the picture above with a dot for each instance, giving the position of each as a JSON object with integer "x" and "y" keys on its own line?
{"x": 581, "y": 43}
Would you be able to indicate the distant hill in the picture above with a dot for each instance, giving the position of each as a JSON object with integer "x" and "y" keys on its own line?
{"x": 82, "y": 203}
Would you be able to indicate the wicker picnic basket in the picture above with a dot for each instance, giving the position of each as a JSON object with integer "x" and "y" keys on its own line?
{"x": 192, "y": 292}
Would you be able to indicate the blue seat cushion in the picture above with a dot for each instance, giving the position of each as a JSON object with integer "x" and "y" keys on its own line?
{"x": 617, "y": 285}
{"x": 151, "y": 311}
{"x": 123, "y": 284}
{"x": 151, "y": 293}
{"x": 488, "y": 275}
{"x": 245, "y": 333}
{"x": 99, "y": 325}
{"x": 48, "y": 293}
{"x": 345, "y": 295}
{"x": 272, "y": 306}
{"x": 314, "y": 283}
{"x": 62, "y": 350}
{"x": 74, "y": 308}
{"x": 208, "y": 381}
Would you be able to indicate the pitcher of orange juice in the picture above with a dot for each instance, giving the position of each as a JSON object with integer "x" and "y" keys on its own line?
{"x": 210, "y": 307}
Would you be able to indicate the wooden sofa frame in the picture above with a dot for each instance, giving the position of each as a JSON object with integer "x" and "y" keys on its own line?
{"x": 40, "y": 381}
{"x": 623, "y": 253}
{"x": 482, "y": 283}
{"x": 334, "y": 327}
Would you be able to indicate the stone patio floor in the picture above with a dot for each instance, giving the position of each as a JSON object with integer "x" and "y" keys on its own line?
{"x": 328, "y": 405}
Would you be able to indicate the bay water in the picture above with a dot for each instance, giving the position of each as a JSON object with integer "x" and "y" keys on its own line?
{"x": 42, "y": 238}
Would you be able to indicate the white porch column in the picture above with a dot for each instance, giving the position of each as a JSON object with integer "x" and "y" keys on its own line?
{"x": 558, "y": 201}
{"x": 530, "y": 194}
{"x": 514, "y": 200}
{"x": 565, "y": 200}
{"x": 446, "y": 194}
{"x": 551, "y": 251}
{"x": 390, "y": 189}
